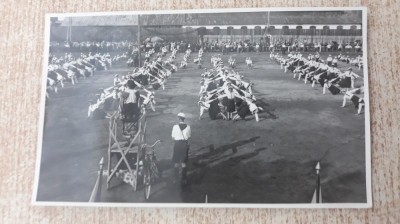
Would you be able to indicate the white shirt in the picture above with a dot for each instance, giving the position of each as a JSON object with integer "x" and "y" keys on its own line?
{"x": 132, "y": 97}
{"x": 51, "y": 81}
{"x": 252, "y": 106}
{"x": 178, "y": 134}
{"x": 59, "y": 77}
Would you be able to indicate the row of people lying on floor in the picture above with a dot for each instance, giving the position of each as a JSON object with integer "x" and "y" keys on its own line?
{"x": 224, "y": 93}
{"x": 125, "y": 94}
{"x": 84, "y": 61}
{"x": 68, "y": 57}
{"x": 69, "y": 68}
{"x": 328, "y": 77}
{"x": 333, "y": 61}
{"x": 315, "y": 70}
{"x": 151, "y": 73}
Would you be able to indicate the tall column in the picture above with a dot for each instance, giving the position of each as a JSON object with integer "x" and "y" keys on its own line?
{"x": 139, "y": 43}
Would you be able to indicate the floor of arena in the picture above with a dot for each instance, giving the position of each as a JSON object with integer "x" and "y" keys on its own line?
{"x": 271, "y": 161}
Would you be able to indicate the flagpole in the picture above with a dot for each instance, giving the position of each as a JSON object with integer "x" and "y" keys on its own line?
{"x": 139, "y": 42}
{"x": 268, "y": 24}
{"x": 318, "y": 189}
{"x": 70, "y": 29}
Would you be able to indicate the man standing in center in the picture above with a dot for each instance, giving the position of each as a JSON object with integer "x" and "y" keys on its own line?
{"x": 181, "y": 134}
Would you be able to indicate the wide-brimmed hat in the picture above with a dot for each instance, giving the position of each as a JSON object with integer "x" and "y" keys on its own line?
{"x": 182, "y": 115}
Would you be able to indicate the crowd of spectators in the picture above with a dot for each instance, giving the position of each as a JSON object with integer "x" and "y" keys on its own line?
{"x": 225, "y": 47}
{"x": 91, "y": 46}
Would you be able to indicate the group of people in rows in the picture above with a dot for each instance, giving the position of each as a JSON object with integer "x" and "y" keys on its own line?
{"x": 69, "y": 68}
{"x": 224, "y": 93}
{"x": 333, "y": 46}
{"x": 280, "y": 45}
{"x": 92, "y": 46}
{"x": 263, "y": 45}
{"x": 134, "y": 87}
{"x": 133, "y": 92}
{"x": 129, "y": 97}
{"x": 313, "y": 69}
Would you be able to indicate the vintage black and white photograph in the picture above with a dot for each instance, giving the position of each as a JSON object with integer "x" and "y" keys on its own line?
{"x": 222, "y": 108}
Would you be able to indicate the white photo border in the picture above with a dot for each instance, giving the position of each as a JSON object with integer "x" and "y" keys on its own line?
{"x": 367, "y": 204}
